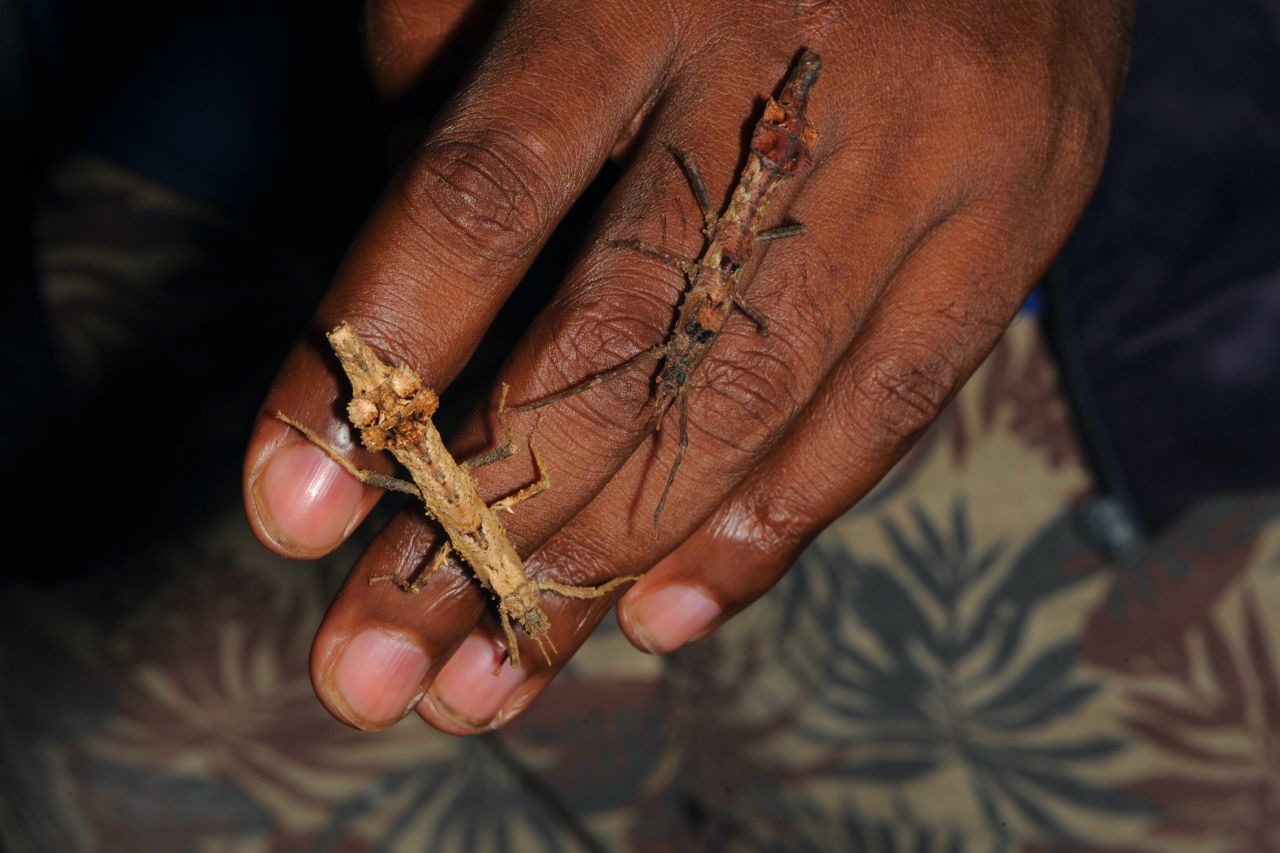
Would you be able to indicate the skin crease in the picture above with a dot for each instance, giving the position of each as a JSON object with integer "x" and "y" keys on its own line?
{"x": 958, "y": 143}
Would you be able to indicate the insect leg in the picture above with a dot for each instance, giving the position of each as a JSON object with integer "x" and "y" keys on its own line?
{"x": 534, "y": 489}
{"x": 424, "y": 577}
{"x": 369, "y": 478}
{"x": 496, "y": 454}
{"x": 782, "y": 232}
{"x": 685, "y": 266}
{"x": 599, "y": 379}
{"x": 571, "y": 591}
{"x": 675, "y": 466}
{"x": 697, "y": 184}
{"x": 761, "y": 321}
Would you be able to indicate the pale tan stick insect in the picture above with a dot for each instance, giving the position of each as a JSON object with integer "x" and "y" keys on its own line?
{"x": 392, "y": 409}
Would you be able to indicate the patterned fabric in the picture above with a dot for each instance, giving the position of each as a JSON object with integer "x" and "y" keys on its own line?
{"x": 950, "y": 667}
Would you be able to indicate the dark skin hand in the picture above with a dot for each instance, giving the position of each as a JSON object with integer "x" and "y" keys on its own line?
{"x": 958, "y": 143}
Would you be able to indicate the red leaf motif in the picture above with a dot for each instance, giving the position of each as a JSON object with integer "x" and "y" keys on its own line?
{"x": 1170, "y": 587}
{"x": 1231, "y": 792}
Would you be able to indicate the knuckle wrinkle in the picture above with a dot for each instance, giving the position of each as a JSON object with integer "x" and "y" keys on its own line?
{"x": 485, "y": 195}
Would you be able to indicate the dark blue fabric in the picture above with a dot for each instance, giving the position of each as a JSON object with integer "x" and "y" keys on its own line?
{"x": 222, "y": 100}
{"x": 203, "y": 109}
{"x": 1166, "y": 302}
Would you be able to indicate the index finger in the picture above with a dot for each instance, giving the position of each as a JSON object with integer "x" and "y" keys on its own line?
{"x": 452, "y": 235}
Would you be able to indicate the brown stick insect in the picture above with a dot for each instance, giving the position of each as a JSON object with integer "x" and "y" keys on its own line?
{"x": 392, "y": 409}
{"x": 781, "y": 148}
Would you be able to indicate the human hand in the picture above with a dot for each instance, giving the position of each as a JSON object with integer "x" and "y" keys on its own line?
{"x": 958, "y": 143}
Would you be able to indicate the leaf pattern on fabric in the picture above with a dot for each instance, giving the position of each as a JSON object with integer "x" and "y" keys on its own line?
{"x": 945, "y": 676}
{"x": 602, "y": 738}
{"x": 471, "y": 797}
{"x": 1219, "y": 720}
{"x": 1169, "y": 585}
{"x": 726, "y": 749}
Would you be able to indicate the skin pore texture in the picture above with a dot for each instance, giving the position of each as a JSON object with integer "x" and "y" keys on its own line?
{"x": 958, "y": 142}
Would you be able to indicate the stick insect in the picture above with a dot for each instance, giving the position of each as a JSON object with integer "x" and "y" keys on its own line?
{"x": 781, "y": 148}
{"x": 392, "y": 409}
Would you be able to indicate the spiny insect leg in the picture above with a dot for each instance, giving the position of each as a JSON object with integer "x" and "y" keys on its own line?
{"x": 782, "y": 232}
{"x": 437, "y": 561}
{"x": 761, "y": 321}
{"x": 369, "y": 478}
{"x": 543, "y": 483}
{"x": 496, "y": 454}
{"x": 599, "y": 379}
{"x": 584, "y": 592}
{"x": 680, "y": 449}
{"x": 699, "y": 186}
{"x": 684, "y": 265}
{"x": 424, "y": 577}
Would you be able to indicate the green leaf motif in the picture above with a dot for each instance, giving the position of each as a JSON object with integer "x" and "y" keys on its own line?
{"x": 929, "y": 665}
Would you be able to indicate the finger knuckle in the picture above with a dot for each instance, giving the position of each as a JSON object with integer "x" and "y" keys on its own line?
{"x": 808, "y": 277}
{"x": 596, "y": 335}
{"x": 761, "y": 383}
{"x": 899, "y": 392}
{"x": 764, "y": 524}
{"x": 482, "y": 196}
{"x": 766, "y": 380}
{"x": 755, "y": 389}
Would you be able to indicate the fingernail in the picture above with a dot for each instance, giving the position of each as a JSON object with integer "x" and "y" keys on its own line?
{"x": 305, "y": 500}
{"x": 667, "y": 618}
{"x": 476, "y": 682}
{"x": 378, "y": 678}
